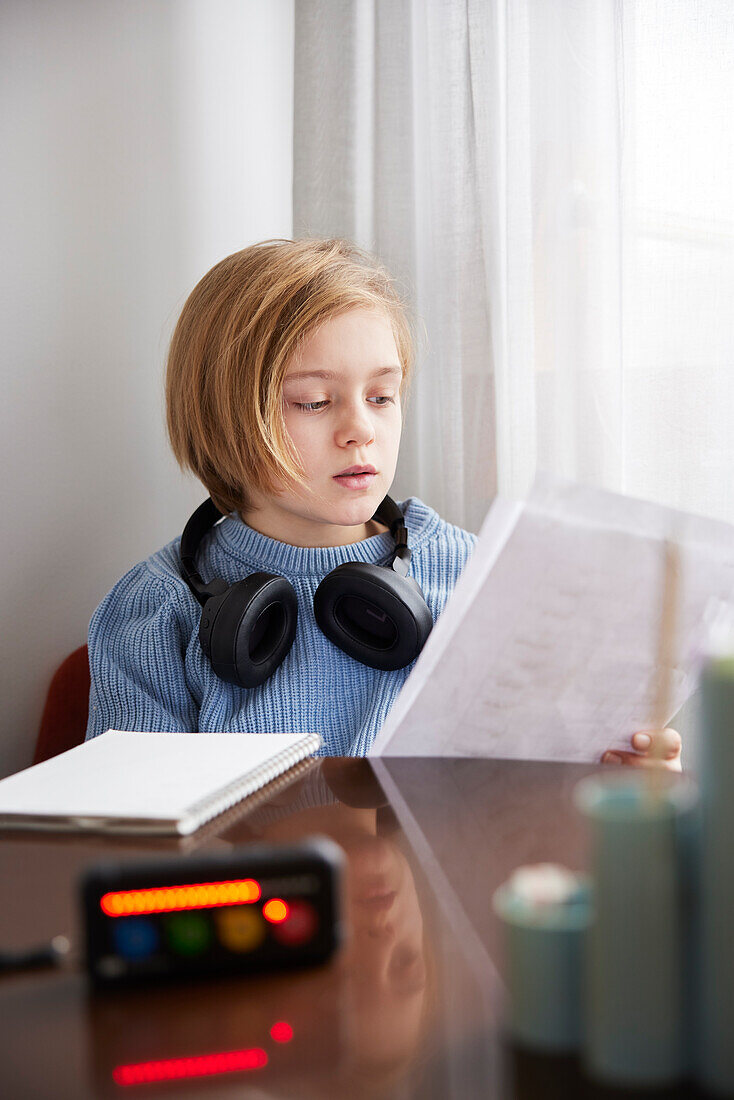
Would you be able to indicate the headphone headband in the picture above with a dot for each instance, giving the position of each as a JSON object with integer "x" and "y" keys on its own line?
{"x": 203, "y": 519}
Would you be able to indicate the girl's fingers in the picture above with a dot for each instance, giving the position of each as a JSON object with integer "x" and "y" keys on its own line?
{"x": 633, "y": 759}
{"x": 664, "y": 744}
{"x": 637, "y": 760}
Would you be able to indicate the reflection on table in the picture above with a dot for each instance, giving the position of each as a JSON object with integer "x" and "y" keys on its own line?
{"x": 402, "y": 1009}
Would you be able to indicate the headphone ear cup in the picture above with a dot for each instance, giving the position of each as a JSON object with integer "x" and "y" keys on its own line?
{"x": 373, "y": 615}
{"x": 248, "y": 630}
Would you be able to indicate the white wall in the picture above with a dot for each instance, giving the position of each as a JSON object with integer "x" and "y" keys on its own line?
{"x": 142, "y": 142}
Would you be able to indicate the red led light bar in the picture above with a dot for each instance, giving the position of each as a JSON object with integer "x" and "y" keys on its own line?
{"x": 167, "y": 899}
{"x": 202, "y": 1065}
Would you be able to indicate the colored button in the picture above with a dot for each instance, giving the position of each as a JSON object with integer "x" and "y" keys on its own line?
{"x": 240, "y": 928}
{"x": 135, "y": 937}
{"x": 188, "y": 933}
{"x": 299, "y": 926}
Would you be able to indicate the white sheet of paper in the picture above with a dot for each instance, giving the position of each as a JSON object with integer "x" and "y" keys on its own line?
{"x": 547, "y": 647}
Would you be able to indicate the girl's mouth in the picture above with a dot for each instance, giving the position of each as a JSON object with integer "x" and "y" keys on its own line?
{"x": 355, "y": 481}
{"x": 377, "y": 903}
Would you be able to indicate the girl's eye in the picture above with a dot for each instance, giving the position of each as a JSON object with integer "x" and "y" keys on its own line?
{"x": 316, "y": 406}
{"x": 309, "y": 406}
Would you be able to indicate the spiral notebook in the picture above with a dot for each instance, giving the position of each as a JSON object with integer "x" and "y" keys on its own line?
{"x": 150, "y": 783}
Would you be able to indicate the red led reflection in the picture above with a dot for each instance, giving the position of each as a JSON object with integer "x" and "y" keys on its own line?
{"x": 282, "y": 1032}
{"x": 202, "y": 1065}
{"x": 275, "y": 910}
{"x": 167, "y": 899}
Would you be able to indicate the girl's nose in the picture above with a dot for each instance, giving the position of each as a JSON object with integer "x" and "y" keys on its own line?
{"x": 355, "y": 428}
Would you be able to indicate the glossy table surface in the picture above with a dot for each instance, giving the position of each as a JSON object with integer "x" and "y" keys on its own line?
{"x": 411, "y": 1005}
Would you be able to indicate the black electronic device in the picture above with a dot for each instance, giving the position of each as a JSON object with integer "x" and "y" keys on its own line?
{"x": 256, "y": 908}
{"x": 376, "y": 614}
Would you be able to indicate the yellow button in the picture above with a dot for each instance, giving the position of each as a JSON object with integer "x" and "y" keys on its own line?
{"x": 241, "y": 928}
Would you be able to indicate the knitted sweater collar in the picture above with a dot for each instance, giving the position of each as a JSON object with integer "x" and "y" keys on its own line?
{"x": 269, "y": 555}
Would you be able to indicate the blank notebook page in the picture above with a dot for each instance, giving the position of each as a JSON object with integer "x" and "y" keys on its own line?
{"x": 157, "y": 776}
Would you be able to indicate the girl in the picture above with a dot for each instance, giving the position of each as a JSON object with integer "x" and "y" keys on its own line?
{"x": 286, "y": 383}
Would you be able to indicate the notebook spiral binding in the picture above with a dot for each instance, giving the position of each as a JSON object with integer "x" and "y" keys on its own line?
{"x": 207, "y": 808}
{"x": 247, "y": 807}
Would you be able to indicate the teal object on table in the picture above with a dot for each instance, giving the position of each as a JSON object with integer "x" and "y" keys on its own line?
{"x": 544, "y": 956}
{"x": 635, "y": 1030}
{"x": 716, "y": 883}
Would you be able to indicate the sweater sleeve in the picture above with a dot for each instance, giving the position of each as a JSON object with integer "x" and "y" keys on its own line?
{"x": 137, "y": 647}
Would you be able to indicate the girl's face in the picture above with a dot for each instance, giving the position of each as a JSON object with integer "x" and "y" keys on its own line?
{"x": 341, "y": 403}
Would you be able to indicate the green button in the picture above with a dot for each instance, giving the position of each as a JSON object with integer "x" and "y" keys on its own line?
{"x": 188, "y": 933}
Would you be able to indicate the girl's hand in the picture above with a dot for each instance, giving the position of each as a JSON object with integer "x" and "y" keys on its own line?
{"x": 655, "y": 748}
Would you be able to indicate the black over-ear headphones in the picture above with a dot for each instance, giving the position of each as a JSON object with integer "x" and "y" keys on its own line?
{"x": 376, "y": 614}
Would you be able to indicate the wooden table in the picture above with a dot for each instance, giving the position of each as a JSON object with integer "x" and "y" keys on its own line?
{"x": 410, "y": 1007}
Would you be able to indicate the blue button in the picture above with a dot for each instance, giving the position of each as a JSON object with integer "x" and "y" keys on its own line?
{"x": 135, "y": 937}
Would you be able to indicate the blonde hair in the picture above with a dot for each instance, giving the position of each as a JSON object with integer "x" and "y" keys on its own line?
{"x": 238, "y": 330}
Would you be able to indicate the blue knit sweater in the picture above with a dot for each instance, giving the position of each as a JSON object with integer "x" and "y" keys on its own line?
{"x": 149, "y": 673}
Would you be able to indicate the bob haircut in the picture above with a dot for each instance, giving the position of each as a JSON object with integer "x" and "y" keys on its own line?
{"x": 238, "y": 331}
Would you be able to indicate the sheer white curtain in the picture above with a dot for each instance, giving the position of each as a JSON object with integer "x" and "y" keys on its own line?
{"x": 553, "y": 186}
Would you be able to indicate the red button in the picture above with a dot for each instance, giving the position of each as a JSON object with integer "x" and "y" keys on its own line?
{"x": 299, "y": 926}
